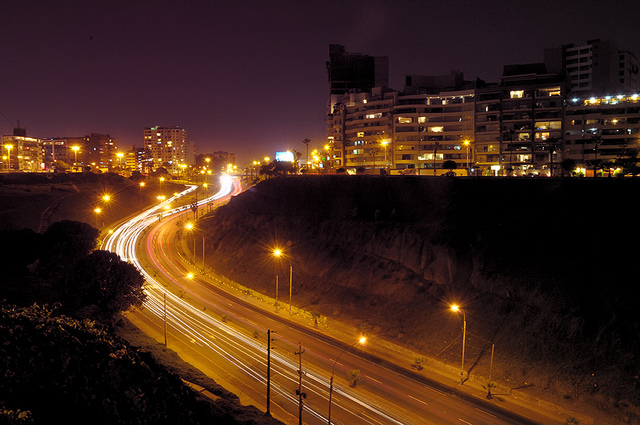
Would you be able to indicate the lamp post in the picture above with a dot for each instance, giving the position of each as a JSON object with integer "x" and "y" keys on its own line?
{"x": 362, "y": 340}
{"x": 278, "y": 253}
{"x": 75, "y": 152}
{"x": 467, "y": 142}
{"x": 97, "y": 211}
{"x": 9, "y": 147}
{"x": 191, "y": 227}
{"x": 384, "y": 144}
{"x": 456, "y": 309}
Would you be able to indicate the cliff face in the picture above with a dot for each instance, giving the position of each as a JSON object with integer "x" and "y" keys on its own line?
{"x": 535, "y": 263}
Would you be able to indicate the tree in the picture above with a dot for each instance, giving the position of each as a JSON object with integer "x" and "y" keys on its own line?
{"x": 567, "y": 166}
{"x": 103, "y": 280}
{"x": 449, "y": 165}
{"x": 63, "y": 244}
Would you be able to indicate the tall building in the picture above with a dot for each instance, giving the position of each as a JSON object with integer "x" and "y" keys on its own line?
{"x": 22, "y": 153}
{"x": 432, "y": 121}
{"x": 60, "y": 149}
{"x": 595, "y": 68}
{"x": 99, "y": 152}
{"x": 430, "y": 129}
{"x": 166, "y": 147}
{"x": 519, "y": 122}
{"x": 601, "y": 129}
{"x": 354, "y": 72}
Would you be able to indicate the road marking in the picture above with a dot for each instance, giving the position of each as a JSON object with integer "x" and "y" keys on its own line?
{"x": 418, "y": 400}
{"x": 370, "y": 418}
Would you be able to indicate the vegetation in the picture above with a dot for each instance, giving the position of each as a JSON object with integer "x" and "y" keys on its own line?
{"x": 60, "y": 359}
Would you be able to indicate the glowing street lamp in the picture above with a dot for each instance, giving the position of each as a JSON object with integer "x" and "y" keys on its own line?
{"x": 192, "y": 228}
{"x": 9, "y": 147}
{"x": 75, "y": 150}
{"x": 120, "y": 155}
{"x": 467, "y": 142}
{"x": 384, "y": 144}
{"x": 97, "y": 211}
{"x": 361, "y": 341}
{"x": 278, "y": 253}
{"x": 456, "y": 308}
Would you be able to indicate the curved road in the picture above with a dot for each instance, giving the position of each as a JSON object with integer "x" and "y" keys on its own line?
{"x": 222, "y": 330}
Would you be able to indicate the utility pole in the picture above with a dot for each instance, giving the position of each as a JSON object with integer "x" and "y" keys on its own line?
{"x": 269, "y": 331}
{"x": 290, "y": 284}
{"x": 299, "y": 392}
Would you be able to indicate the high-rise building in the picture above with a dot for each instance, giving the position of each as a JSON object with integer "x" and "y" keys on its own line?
{"x": 60, "y": 149}
{"x": 354, "y": 72}
{"x": 519, "y": 122}
{"x": 595, "y": 68}
{"x": 600, "y": 130}
{"x": 166, "y": 147}
{"x": 99, "y": 152}
{"x": 22, "y": 153}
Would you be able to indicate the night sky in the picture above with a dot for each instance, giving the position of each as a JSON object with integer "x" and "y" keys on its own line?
{"x": 249, "y": 76}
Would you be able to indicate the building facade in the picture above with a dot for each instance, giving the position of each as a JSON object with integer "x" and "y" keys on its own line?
{"x": 166, "y": 147}
{"x": 22, "y": 153}
{"x": 519, "y": 122}
{"x": 595, "y": 68}
{"x": 602, "y": 132}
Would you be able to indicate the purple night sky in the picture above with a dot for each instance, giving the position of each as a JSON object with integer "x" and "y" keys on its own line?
{"x": 249, "y": 76}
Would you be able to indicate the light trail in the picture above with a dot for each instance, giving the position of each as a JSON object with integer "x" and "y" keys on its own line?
{"x": 239, "y": 348}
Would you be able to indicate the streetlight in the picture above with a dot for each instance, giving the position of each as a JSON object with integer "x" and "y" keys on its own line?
{"x": 467, "y": 142}
{"x": 75, "y": 150}
{"x": 278, "y": 253}
{"x": 384, "y": 144}
{"x": 192, "y": 228}
{"x": 141, "y": 186}
{"x": 120, "y": 155}
{"x": 456, "y": 308}
{"x": 361, "y": 341}
{"x": 97, "y": 211}
{"x": 9, "y": 147}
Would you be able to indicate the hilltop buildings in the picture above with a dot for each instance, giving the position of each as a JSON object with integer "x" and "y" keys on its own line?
{"x": 578, "y": 108}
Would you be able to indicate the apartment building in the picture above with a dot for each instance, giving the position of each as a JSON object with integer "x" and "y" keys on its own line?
{"x": 430, "y": 129}
{"x": 596, "y": 67}
{"x": 519, "y": 122}
{"x": 22, "y": 153}
{"x": 601, "y": 130}
{"x": 166, "y": 147}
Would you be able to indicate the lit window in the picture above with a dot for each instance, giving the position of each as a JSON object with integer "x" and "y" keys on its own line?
{"x": 404, "y": 120}
{"x": 361, "y": 134}
{"x": 517, "y": 94}
{"x": 436, "y": 129}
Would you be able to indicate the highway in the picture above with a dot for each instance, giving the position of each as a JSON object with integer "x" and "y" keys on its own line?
{"x": 223, "y": 331}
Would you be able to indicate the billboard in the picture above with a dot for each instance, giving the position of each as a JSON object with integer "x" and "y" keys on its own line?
{"x": 284, "y": 156}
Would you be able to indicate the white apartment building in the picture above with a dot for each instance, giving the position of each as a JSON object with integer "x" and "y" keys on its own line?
{"x": 166, "y": 147}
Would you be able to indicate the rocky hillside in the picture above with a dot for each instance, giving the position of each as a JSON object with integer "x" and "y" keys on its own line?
{"x": 541, "y": 266}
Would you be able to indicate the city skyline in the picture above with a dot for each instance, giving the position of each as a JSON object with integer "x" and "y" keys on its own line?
{"x": 252, "y": 78}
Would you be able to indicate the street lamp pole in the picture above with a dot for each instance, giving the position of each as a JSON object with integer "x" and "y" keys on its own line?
{"x": 362, "y": 340}
{"x": 290, "y": 284}
{"x": 456, "y": 308}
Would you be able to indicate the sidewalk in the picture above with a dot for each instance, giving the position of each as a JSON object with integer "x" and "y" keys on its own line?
{"x": 514, "y": 403}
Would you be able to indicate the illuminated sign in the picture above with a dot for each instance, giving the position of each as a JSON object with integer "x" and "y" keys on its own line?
{"x": 284, "y": 156}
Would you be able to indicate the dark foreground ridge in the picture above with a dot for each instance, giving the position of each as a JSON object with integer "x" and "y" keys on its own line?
{"x": 541, "y": 267}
